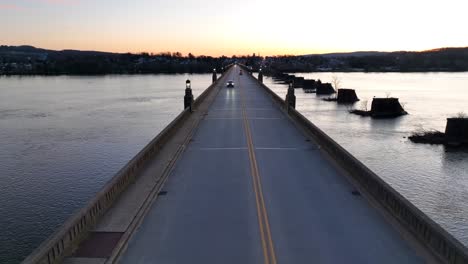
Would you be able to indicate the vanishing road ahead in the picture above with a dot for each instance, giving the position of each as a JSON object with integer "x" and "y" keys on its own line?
{"x": 252, "y": 188}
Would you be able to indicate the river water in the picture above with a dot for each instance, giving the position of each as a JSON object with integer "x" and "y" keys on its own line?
{"x": 433, "y": 178}
{"x": 63, "y": 137}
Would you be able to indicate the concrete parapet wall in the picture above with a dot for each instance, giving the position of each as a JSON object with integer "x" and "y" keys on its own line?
{"x": 78, "y": 226}
{"x": 433, "y": 237}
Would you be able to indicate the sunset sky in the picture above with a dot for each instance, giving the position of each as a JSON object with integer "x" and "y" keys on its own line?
{"x": 234, "y": 27}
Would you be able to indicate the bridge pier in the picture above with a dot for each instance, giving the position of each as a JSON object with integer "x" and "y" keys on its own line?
{"x": 188, "y": 98}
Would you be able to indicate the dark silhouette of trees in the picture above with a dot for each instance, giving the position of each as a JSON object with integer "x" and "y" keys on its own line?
{"x": 30, "y": 60}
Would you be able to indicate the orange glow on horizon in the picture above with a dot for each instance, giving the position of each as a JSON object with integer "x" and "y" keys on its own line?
{"x": 241, "y": 27}
{"x": 195, "y": 50}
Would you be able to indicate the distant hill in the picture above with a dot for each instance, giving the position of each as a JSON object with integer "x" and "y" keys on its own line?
{"x": 349, "y": 54}
{"x": 452, "y": 59}
{"x": 453, "y": 49}
{"x": 25, "y": 49}
{"x": 461, "y": 50}
{"x": 24, "y": 60}
{"x": 31, "y": 60}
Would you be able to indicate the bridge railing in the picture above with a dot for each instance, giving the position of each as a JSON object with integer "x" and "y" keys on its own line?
{"x": 438, "y": 241}
{"x": 78, "y": 226}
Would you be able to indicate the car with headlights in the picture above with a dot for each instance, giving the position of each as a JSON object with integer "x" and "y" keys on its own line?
{"x": 230, "y": 84}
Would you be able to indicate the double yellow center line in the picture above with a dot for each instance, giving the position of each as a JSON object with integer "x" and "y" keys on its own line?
{"x": 264, "y": 225}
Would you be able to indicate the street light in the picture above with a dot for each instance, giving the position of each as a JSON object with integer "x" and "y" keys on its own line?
{"x": 260, "y": 75}
{"x": 215, "y": 77}
{"x": 188, "y": 98}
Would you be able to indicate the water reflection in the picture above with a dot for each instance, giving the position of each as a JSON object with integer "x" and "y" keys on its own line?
{"x": 63, "y": 137}
{"x": 434, "y": 179}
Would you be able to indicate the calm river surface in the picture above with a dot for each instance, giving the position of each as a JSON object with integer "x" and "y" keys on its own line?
{"x": 434, "y": 179}
{"x": 63, "y": 137}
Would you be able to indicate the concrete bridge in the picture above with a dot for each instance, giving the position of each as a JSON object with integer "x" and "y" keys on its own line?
{"x": 242, "y": 177}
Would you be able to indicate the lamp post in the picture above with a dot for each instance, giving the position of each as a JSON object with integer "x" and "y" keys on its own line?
{"x": 188, "y": 98}
{"x": 290, "y": 97}
{"x": 215, "y": 77}
{"x": 260, "y": 75}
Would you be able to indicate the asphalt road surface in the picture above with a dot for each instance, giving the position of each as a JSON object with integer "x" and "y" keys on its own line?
{"x": 250, "y": 188}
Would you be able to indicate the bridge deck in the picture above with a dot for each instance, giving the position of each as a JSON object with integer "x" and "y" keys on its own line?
{"x": 250, "y": 188}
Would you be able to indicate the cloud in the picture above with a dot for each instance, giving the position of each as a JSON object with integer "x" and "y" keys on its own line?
{"x": 24, "y": 6}
{"x": 9, "y": 7}
{"x": 58, "y": 1}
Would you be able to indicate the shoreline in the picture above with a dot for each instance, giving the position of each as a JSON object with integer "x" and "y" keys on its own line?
{"x": 207, "y": 72}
